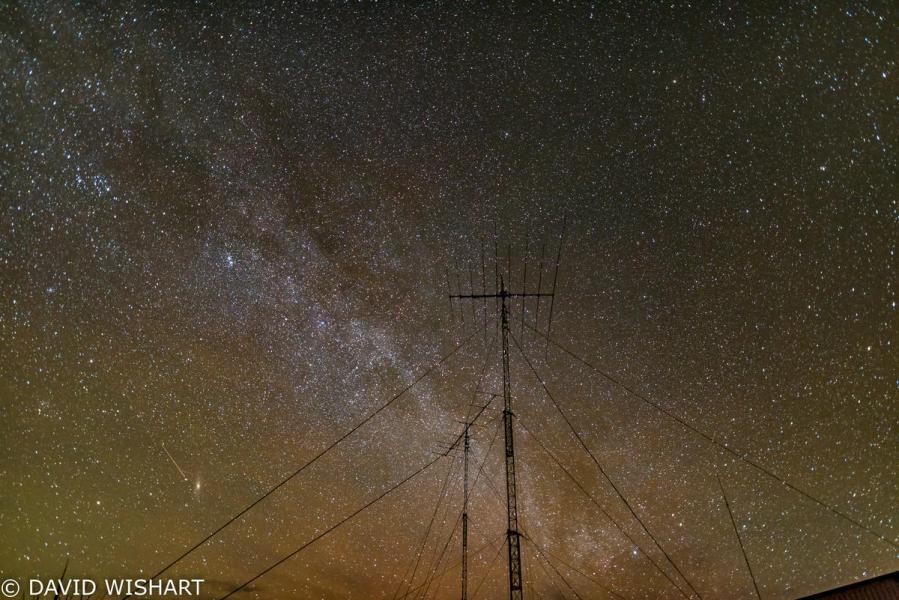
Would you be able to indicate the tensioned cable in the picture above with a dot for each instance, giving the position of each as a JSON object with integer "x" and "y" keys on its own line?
{"x": 595, "y": 502}
{"x": 739, "y": 539}
{"x": 549, "y": 578}
{"x": 424, "y": 539}
{"x": 459, "y": 562}
{"x": 439, "y": 557}
{"x": 459, "y": 518}
{"x": 549, "y": 555}
{"x": 601, "y": 469}
{"x": 495, "y": 489}
{"x": 481, "y": 469}
{"x": 346, "y": 519}
{"x": 471, "y": 491}
{"x": 745, "y": 457}
{"x": 558, "y": 573}
{"x": 499, "y": 548}
{"x": 351, "y": 516}
{"x": 572, "y": 567}
{"x": 421, "y": 549}
{"x": 315, "y": 459}
{"x": 528, "y": 574}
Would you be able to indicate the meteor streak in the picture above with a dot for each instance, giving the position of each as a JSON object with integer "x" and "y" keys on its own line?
{"x": 172, "y": 458}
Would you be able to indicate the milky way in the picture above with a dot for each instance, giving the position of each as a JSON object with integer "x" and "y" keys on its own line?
{"x": 227, "y": 236}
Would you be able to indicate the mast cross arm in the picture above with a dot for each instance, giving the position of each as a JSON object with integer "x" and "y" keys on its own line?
{"x": 506, "y": 295}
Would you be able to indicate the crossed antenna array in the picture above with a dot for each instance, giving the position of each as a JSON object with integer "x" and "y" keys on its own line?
{"x": 531, "y": 288}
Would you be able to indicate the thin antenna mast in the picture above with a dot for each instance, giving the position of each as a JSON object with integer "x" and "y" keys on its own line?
{"x": 466, "y": 448}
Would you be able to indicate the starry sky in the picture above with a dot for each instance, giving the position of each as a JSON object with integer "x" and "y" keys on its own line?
{"x": 227, "y": 235}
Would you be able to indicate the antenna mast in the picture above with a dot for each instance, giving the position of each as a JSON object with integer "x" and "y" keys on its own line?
{"x": 514, "y": 542}
{"x": 466, "y": 448}
{"x": 512, "y": 534}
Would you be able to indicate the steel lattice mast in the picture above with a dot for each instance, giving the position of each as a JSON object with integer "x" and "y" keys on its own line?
{"x": 514, "y": 543}
{"x": 512, "y": 533}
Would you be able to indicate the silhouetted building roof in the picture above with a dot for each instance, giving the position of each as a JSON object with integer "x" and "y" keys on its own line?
{"x": 885, "y": 587}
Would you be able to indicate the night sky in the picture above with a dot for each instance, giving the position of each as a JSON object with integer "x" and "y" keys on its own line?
{"x": 226, "y": 235}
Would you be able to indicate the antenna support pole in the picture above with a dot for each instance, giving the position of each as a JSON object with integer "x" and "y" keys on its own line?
{"x": 515, "y": 580}
{"x": 502, "y": 296}
{"x": 465, "y": 517}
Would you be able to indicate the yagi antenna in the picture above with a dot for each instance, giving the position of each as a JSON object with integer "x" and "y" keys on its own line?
{"x": 505, "y": 297}
{"x": 505, "y": 293}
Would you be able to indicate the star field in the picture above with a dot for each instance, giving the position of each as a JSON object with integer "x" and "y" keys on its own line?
{"x": 227, "y": 235}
